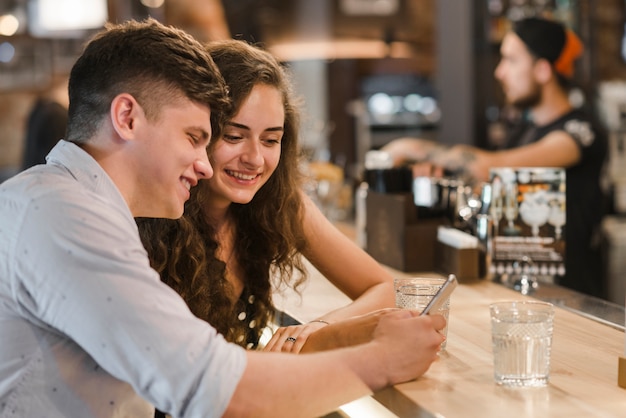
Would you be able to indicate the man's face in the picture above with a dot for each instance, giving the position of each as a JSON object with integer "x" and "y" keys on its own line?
{"x": 516, "y": 74}
{"x": 171, "y": 158}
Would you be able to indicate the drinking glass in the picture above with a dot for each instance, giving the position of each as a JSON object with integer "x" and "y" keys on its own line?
{"x": 511, "y": 207}
{"x": 416, "y": 292}
{"x": 496, "y": 212}
{"x": 557, "y": 218}
{"x": 522, "y": 339}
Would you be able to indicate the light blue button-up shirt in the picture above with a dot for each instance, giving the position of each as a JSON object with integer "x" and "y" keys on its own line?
{"x": 87, "y": 329}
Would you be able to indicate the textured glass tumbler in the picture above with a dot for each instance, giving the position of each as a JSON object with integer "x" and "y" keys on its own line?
{"x": 416, "y": 292}
{"x": 522, "y": 338}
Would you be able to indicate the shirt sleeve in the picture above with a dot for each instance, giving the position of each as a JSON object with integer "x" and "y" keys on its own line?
{"x": 581, "y": 131}
{"x": 86, "y": 275}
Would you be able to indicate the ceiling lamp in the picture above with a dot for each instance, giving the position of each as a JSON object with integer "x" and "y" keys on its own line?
{"x": 65, "y": 18}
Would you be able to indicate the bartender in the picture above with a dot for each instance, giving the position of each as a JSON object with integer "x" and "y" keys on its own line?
{"x": 535, "y": 71}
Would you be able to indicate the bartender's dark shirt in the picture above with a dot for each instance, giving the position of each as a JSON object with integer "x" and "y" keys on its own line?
{"x": 585, "y": 200}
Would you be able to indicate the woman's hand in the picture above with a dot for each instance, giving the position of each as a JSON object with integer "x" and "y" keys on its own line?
{"x": 291, "y": 339}
{"x": 352, "y": 331}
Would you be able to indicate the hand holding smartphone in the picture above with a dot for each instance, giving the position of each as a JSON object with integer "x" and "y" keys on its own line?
{"x": 442, "y": 295}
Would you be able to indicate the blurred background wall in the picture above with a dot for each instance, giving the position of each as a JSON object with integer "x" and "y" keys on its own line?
{"x": 343, "y": 54}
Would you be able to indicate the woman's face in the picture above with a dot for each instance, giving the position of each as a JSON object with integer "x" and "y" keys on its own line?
{"x": 248, "y": 152}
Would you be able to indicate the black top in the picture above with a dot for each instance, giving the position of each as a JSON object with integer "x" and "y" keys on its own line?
{"x": 247, "y": 314}
{"x": 586, "y": 203}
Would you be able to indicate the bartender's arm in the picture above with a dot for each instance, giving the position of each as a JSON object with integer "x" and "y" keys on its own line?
{"x": 556, "y": 149}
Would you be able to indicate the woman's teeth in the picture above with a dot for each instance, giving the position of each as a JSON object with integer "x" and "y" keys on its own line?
{"x": 241, "y": 176}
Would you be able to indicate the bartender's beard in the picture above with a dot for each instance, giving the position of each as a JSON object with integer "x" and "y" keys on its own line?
{"x": 530, "y": 100}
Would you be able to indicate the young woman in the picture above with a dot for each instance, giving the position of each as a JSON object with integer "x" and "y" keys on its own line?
{"x": 246, "y": 229}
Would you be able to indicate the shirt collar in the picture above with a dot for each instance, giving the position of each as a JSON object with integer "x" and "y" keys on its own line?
{"x": 86, "y": 170}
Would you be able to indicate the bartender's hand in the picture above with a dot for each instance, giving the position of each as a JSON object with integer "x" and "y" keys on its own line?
{"x": 426, "y": 169}
{"x": 291, "y": 339}
{"x": 403, "y": 150}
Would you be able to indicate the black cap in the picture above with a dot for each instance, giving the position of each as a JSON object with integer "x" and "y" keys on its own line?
{"x": 551, "y": 41}
{"x": 544, "y": 38}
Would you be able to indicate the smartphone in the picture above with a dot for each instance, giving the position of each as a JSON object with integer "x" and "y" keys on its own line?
{"x": 442, "y": 295}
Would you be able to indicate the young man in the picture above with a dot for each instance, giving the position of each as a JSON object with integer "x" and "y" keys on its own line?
{"x": 88, "y": 328}
{"x": 535, "y": 71}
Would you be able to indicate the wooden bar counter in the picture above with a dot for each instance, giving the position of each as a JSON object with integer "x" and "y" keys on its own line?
{"x": 583, "y": 376}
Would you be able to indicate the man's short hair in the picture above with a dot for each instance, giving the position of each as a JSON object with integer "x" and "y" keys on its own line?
{"x": 153, "y": 62}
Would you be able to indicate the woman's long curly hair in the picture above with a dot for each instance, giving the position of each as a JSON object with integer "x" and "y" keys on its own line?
{"x": 269, "y": 235}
